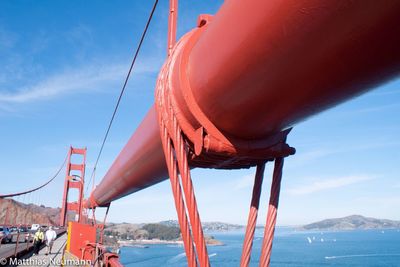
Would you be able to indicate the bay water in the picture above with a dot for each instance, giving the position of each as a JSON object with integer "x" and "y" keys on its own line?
{"x": 358, "y": 248}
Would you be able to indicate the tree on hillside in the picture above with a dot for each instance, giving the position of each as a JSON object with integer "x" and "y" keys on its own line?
{"x": 162, "y": 232}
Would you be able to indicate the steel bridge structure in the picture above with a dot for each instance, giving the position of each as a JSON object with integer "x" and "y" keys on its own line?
{"x": 227, "y": 97}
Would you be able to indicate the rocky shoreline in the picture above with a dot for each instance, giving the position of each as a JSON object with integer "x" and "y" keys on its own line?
{"x": 210, "y": 241}
{"x": 125, "y": 234}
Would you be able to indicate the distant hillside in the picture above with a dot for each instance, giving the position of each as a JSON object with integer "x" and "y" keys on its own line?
{"x": 352, "y": 222}
{"x": 166, "y": 231}
{"x": 122, "y": 228}
{"x": 209, "y": 226}
{"x": 21, "y": 213}
{"x": 130, "y": 231}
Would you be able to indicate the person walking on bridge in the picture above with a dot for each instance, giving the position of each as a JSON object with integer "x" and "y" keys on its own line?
{"x": 38, "y": 240}
{"x": 51, "y": 235}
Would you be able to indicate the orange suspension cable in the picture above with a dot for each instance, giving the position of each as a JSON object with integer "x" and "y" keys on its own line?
{"x": 36, "y": 188}
{"x": 252, "y": 220}
{"x": 172, "y": 24}
{"x": 178, "y": 198}
{"x": 272, "y": 214}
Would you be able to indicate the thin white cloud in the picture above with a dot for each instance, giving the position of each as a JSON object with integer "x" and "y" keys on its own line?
{"x": 376, "y": 108}
{"x": 244, "y": 182}
{"x": 326, "y": 184}
{"x": 146, "y": 199}
{"x": 379, "y": 201}
{"x": 308, "y": 156}
{"x": 83, "y": 79}
{"x": 312, "y": 155}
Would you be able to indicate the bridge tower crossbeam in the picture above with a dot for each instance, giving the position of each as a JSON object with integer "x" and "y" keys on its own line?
{"x": 74, "y": 179}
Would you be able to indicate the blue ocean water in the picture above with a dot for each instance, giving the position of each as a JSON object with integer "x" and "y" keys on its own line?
{"x": 348, "y": 248}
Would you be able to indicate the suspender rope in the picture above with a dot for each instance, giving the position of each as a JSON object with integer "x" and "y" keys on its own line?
{"x": 272, "y": 213}
{"x": 177, "y": 192}
{"x": 252, "y": 220}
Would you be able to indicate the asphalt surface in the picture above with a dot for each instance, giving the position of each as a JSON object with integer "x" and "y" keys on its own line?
{"x": 8, "y": 249}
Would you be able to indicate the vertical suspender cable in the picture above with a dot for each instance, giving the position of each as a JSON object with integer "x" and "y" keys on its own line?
{"x": 92, "y": 178}
{"x": 252, "y": 220}
{"x": 269, "y": 231}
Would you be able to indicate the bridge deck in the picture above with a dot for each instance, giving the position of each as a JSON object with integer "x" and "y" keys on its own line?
{"x": 41, "y": 259}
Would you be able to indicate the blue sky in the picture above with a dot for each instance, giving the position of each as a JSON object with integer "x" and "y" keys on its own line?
{"x": 62, "y": 66}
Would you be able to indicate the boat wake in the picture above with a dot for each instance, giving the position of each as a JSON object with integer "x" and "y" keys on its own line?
{"x": 177, "y": 258}
{"x": 360, "y": 255}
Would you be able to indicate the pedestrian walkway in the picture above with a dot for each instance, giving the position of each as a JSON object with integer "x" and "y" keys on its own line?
{"x": 53, "y": 259}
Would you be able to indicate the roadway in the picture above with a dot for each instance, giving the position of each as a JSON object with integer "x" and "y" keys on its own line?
{"x": 9, "y": 249}
{"x": 53, "y": 259}
{"x": 13, "y": 249}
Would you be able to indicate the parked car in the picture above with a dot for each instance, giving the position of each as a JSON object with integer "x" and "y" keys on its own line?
{"x": 5, "y": 234}
{"x": 24, "y": 231}
{"x": 35, "y": 226}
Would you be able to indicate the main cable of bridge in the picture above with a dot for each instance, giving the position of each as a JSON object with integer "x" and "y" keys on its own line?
{"x": 92, "y": 177}
{"x": 39, "y": 187}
